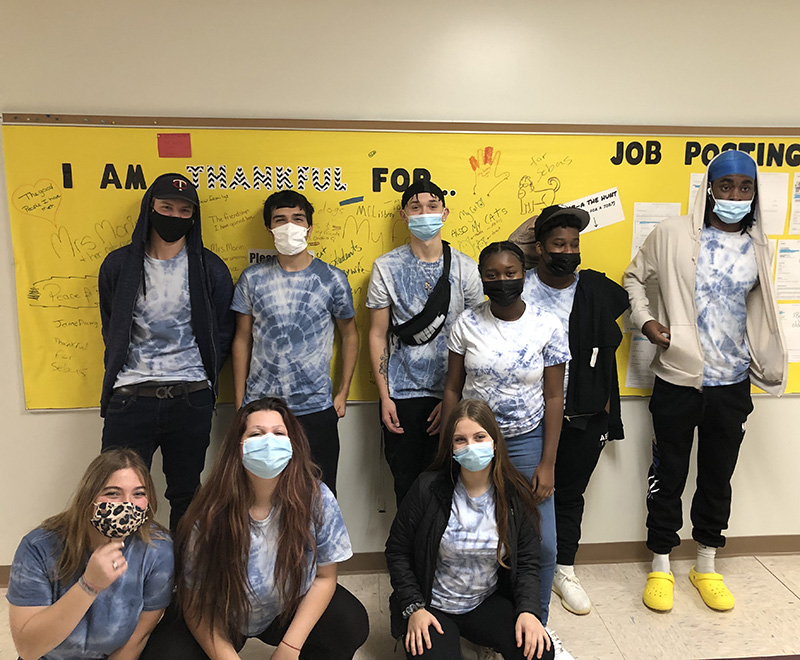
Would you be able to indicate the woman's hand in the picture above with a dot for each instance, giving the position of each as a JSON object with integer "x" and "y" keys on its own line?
{"x": 418, "y": 631}
{"x": 531, "y": 636}
{"x": 544, "y": 478}
{"x": 105, "y": 565}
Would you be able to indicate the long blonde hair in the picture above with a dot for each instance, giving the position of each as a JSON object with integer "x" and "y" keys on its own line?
{"x": 73, "y": 525}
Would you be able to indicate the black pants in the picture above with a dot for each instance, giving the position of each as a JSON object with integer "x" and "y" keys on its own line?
{"x": 322, "y": 431}
{"x": 719, "y": 414}
{"x": 490, "y": 624}
{"x": 180, "y": 426}
{"x": 411, "y": 452}
{"x": 578, "y": 452}
{"x": 340, "y": 631}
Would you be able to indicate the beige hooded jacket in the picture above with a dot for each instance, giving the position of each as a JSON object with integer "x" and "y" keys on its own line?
{"x": 660, "y": 282}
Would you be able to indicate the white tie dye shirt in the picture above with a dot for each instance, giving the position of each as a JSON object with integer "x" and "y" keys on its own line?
{"x": 466, "y": 566}
{"x": 557, "y": 301}
{"x": 163, "y": 346}
{"x": 505, "y": 362}
{"x": 333, "y": 546}
{"x": 726, "y": 272}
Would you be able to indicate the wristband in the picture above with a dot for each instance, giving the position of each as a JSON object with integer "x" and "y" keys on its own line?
{"x": 89, "y": 589}
{"x": 283, "y": 641}
{"x": 411, "y": 609}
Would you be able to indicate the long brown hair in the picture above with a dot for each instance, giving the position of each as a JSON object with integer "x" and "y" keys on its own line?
{"x": 73, "y": 525}
{"x": 504, "y": 474}
{"x": 213, "y": 537}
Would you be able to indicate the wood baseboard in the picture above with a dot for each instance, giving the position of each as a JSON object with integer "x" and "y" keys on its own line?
{"x": 622, "y": 552}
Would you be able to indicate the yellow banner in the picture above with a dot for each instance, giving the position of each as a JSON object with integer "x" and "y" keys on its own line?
{"x": 74, "y": 195}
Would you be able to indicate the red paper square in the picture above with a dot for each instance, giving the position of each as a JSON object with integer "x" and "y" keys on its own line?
{"x": 174, "y": 145}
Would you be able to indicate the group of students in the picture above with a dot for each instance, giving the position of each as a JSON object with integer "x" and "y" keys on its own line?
{"x": 490, "y": 489}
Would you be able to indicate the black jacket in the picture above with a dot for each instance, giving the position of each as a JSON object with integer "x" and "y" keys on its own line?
{"x": 593, "y": 340}
{"x": 413, "y": 546}
{"x": 210, "y": 293}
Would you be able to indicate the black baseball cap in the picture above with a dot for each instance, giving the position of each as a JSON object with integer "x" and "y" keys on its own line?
{"x": 421, "y": 186}
{"x": 174, "y": 186}
{"x": 547, "y": 218}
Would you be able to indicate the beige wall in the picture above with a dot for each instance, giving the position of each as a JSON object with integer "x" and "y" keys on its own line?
{"x": 627, "y": 62}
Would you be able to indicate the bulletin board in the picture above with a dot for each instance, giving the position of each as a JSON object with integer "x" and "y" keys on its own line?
{"x": 75, "y": 184}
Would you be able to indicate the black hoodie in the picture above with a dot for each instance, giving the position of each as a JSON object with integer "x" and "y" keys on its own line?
{"x": 210, "y": 293}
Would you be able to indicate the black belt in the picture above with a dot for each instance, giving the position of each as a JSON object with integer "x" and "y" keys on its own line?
{"x": 161, "y": 390}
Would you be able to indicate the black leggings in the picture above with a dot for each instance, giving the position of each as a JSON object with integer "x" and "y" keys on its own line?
{"x": 490, "y": 624}
{"x": 340, "y": 631}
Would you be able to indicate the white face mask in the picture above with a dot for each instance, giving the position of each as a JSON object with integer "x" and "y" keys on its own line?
{"x": 290, "y": 239}
{"x": 730, "y": 211}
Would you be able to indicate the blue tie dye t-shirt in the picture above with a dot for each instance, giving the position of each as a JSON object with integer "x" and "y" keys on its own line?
{"x": 726, "y": 272}
{"x": 113, "y": 616}
{"x": 403, "y": 282}
{"x": 293, "y": 326}
{"x": 505, "y": 362}
{"x": 333, "y": 546}
{"x": 163, "y": 346}
{"x": 466, "y": 566}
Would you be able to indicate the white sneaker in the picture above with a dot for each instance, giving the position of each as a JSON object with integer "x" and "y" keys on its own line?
{"x": 560, "y": 653}
{"x": 573, "y": 597}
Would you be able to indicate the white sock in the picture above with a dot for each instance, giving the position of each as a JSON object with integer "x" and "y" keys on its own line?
{"x": 660, "y": 563}
{"x": 567, "y": 570}
{"x": 705, "y": 559}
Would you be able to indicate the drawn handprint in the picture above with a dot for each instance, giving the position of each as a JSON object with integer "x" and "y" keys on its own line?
{"x": 484, "y": 164}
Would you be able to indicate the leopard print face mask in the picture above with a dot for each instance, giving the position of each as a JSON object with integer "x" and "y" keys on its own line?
{"x": 116, "y": 520}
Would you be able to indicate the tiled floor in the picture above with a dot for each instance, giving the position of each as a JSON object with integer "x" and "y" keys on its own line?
{"x": 765, "y": 621}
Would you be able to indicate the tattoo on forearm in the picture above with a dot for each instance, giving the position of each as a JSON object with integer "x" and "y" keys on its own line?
{"x": 383, "y": 366}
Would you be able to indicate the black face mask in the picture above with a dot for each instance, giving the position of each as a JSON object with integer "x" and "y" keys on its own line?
{"x": 504, "y": 292}
{"x": 562, "y": 264}
{"x": 169, "y": 228}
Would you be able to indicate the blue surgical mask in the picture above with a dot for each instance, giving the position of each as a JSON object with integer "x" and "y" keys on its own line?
{"x": 475, "y": 457}
{"x": 425, "y": 226}
{"x": 730, "y": 211}
{"x": 266, "y": 455}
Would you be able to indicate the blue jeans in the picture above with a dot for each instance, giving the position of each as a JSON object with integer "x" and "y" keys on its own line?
{"x": 525, "y": 452}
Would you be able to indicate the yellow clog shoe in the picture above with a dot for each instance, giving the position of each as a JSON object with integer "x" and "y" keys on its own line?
{"x": 712, "y": 590}
{"x": 658, "y": 591}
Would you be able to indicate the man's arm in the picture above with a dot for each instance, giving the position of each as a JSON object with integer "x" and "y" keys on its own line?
{"x": 379, "y": 356}
{"x": 106, "y": 283}
{"x": 634, "y": 280}
{"x": 242, "y": 352}
{"x": 349, "y": 337}
{"x": 221, "y": 296}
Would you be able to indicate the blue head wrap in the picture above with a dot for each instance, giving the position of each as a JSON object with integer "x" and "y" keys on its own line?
{"x": 732, "y": 162}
